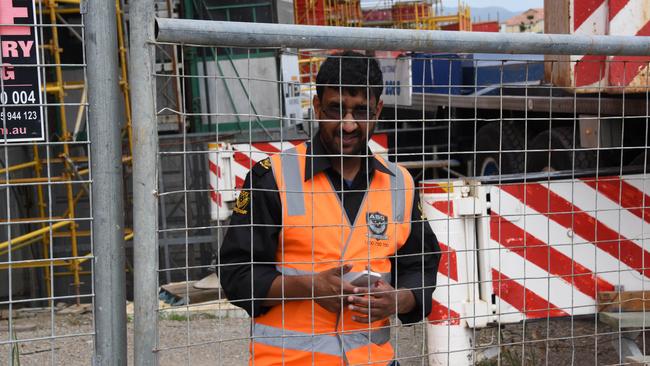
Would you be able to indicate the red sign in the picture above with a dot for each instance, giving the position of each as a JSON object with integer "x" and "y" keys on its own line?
{"x": 21, "y": 108}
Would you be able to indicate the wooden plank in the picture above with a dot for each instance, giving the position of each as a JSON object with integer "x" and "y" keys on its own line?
{"x": 557, "y": 69}
{"x": 637, "y": 361}
{"x": 182, "y": 290}
{"x": 632, "y": 320}
{"x": 613, "y": 301}
{"x": 556, "y": 17}
{"x": 209, "y": 282}
{"x": 571, "y": 105}
{"x": 76, "y": 309}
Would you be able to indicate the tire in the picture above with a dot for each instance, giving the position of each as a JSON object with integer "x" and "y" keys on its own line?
{"x": 561, "y": 155}
{"x": 503, "y": 144}
{"x": 640, "y": 159}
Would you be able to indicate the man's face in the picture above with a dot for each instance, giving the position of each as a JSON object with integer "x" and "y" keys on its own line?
{"x": 346, "y": 121}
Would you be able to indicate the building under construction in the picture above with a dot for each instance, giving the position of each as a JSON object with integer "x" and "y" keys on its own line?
{"x": 420, "y": 14}
{"x": 45, "y": 244}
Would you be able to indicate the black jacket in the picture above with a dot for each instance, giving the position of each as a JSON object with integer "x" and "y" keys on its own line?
{"x": 247, "y": 265}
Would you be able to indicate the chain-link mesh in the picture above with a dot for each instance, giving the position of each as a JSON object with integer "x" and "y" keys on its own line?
{"x": 47, "y": 251}
{"x": 532, "y": 179}
{"x": 283, "y": 174}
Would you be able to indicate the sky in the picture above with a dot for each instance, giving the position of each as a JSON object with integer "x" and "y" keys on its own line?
{"x": 513, "y": 5}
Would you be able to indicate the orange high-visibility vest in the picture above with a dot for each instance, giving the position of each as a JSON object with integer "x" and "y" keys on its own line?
{"x": 316, "y": 235}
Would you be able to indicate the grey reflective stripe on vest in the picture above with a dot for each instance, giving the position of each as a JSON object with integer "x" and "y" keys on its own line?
{"x": 292, "y": 182}
{"x": 292, "y": 271}
{"x": 321, "y": 343}
{"x": 287, "y": 271}
{"x": 287, "y": 339}
{"x": 397, "y": 192}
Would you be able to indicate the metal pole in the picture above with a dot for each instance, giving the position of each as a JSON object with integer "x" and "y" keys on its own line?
{"x": 107, "y": 191}
{"x": 145, "y": 173}
{"x": 238, "y": 34}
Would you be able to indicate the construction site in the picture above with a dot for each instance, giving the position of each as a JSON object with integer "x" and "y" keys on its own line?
{"x": 47, "y": 225}
{"x": 528, "y": 155}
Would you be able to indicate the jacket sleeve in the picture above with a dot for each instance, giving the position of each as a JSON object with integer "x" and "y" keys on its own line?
{"x": 415, "y": 265}
{"x": 246, "y": 265}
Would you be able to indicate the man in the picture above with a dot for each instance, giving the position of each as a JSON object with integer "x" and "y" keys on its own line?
{"x": 318, "y": 213}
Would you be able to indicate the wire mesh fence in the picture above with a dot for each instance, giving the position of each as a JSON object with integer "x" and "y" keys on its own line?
{"x": 530, "y": 170}
{"x": 492, "y": 205}
{"x": 46, "y": 249}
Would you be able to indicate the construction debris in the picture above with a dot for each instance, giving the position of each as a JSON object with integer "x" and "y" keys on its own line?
{"x": 76, "y": 309}
{"x": 192, "y": 292}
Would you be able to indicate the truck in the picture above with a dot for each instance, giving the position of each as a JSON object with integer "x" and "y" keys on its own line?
{"x": 589, "y": 109}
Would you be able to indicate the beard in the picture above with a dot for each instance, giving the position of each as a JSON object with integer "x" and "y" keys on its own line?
{"x": 345, "y": 144}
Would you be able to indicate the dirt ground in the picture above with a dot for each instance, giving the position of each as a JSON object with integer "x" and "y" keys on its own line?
{"x": 214, "y": 340}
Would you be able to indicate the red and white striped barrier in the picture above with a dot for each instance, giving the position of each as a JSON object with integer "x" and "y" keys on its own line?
{"x": 588, "y": 17}
{"x": 629, "y": 17}
{"x": 555, "y": 245}
{"x": 531, "y": 250}
{"x": 221, "y": 180}
{"x": 456, "y": 305}
{"x": 590, "y": 73}
{"x": 229, "y": 165}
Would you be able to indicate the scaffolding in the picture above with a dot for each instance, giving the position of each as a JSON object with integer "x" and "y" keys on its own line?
{"x": 421, "y": 14}
{"x": 341, "y": 13}
{"x": 412, "y": 15}
{"x": 60, "y": 161}
{"x": 460, "y": 21}
{"x": 418, "y": 14}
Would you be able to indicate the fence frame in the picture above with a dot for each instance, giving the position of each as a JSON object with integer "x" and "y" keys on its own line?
{"x": 103, "y": 80}
{"x": 145, "y": 182}
{"x": 239, "y": 34}
{"x": 234, "y": 34}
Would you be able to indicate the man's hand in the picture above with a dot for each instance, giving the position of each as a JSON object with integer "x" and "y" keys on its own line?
{"x": 379, "y": 302}
{"x": 328, "y": 288}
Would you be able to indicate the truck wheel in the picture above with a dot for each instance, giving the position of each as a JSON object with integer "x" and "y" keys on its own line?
{"x": 561, "y": 156}
{"x": 640, "y": 159}
{"x": 502, "y": 143}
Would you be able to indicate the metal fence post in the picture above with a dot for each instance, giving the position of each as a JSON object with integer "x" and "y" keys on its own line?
{"x": 107, "y": 191}
{"x": 240, "y": 34}
{"x": 145, "y": 204}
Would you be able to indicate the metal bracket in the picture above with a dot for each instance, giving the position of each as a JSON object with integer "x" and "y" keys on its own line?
{"x": 469, "y": 206}
{"x": 596, "y": 132}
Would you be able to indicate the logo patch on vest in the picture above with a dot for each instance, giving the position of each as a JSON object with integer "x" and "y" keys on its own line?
{"x": 377, "y": 225}
{"x": 242, "y": 203}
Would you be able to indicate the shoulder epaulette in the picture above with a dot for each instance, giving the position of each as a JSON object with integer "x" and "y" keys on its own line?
{"x": 262, "y": 167}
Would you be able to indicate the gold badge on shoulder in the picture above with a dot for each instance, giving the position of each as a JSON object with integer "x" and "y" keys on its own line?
{"x": 266, "y": 163}
{"x": 422, "y": 215}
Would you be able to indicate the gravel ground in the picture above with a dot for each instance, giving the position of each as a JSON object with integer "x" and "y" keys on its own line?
{"x": 565, "y": 341}
{"x": 223, "y": 341}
